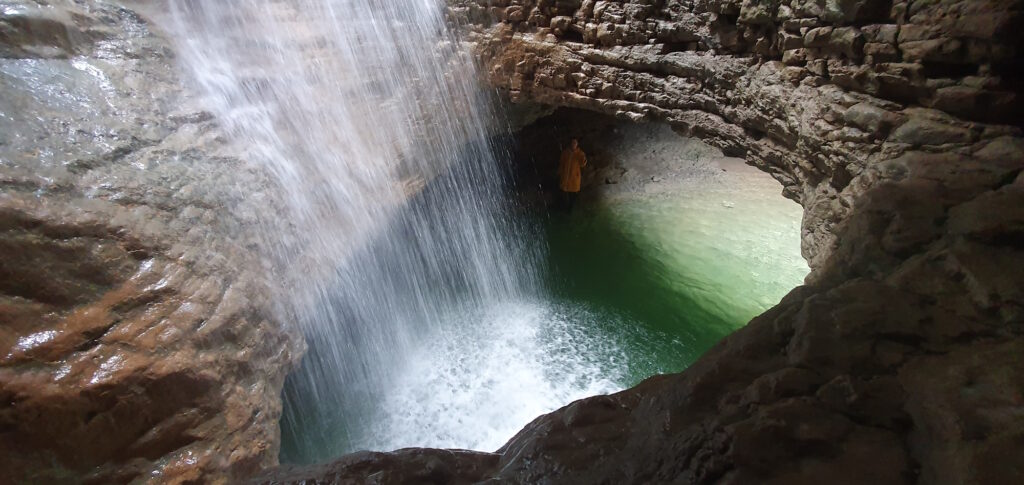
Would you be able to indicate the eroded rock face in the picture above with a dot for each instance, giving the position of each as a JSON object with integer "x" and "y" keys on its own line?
{"x": 816, "y": 93}
{"x": 135, "y": 338}
{"x": 412, "y": 465}
{"x": 896, "y": 125}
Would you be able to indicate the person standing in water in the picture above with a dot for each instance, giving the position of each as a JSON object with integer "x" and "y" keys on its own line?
{"x": 570, "y": 168}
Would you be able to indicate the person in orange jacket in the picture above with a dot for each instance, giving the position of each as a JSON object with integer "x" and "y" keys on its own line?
{"x": 570, "y": 168}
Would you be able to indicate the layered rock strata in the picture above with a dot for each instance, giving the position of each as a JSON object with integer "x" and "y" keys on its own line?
{"x": 816, "y": 93}
{"x": 896, "y": 125}
{"x": 135, "y": 338}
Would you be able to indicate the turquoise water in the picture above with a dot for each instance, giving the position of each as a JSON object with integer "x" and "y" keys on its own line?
{"x": 683, "y": 266}
{"x": 637, "y": 283}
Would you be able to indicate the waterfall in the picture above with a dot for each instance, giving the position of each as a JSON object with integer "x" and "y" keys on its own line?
{"x": 414, "y": 283}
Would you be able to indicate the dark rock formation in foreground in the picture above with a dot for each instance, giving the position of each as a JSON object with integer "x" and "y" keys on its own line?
{"x": 897, "y": 126}
{"x": 135, "y": 339}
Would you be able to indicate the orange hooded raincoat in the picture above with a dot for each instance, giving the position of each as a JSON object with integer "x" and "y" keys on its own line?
{"x": 569, "y": 169}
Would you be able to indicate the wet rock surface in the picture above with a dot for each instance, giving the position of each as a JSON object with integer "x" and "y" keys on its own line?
{"x": 413, "y": 465}
{"x": 791, "y": 86}
{"x": 136, "y": 343}
{"x": 896, "y": 125}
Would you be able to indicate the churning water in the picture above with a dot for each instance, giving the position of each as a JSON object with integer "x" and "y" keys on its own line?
{"x": 415, "y": 287}
{"x": 393, "y": 243}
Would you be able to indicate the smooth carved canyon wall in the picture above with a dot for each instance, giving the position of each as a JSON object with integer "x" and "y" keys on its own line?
{"x": 134, "y": 324}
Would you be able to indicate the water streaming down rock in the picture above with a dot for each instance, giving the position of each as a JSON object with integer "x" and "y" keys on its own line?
{"x": 369, "y": 118}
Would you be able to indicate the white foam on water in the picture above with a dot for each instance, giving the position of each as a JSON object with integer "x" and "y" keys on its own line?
{"x": 420, "y": 307}
{"x": 487, "y": 374}
{"x": 389, "y": 212}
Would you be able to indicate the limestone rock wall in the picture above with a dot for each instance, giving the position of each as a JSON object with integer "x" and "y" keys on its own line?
{"x": 896, "y": 124}
{"x": 135, "y": 337}
{"x": 818, "y": 93}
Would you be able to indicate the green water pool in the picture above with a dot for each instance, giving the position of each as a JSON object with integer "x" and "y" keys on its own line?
{"x": 684, "y": 266}
{"x": 636, "y": 282}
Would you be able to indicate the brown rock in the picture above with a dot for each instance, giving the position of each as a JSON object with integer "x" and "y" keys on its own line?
{"x": 966, "y": 413}
{"x": 818, "y": 37}
{"x": 919, "y": 132}
{"x": 847, "y": 40}
{"x": 758, "y": 12}
{"x": 454, "y": 467}
{"x": 134, "y": 342}
{"x": 871, "y": 119}
{"x": 977, "y": 103}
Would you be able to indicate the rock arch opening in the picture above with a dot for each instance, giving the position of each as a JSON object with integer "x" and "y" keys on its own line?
{"x": 671, "y": 247}
{"x": 668, "y": 230}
